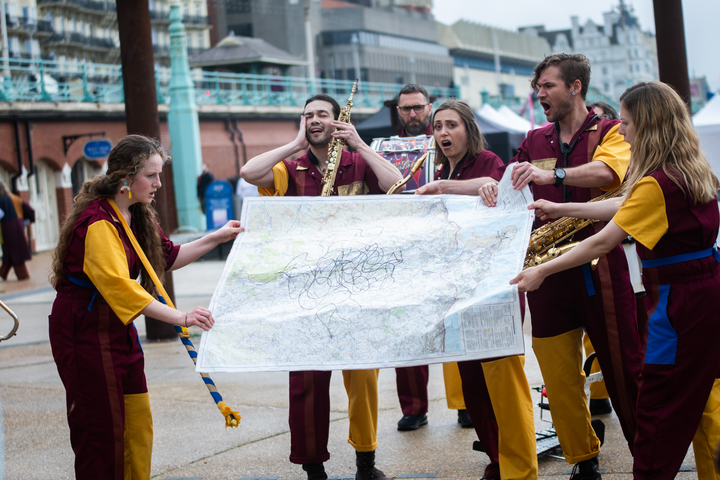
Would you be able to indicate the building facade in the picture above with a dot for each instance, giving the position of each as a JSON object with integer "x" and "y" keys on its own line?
{"x": 78, "y": 31}
{"x": 491, "y": 61}
{"x": 620, "y": 52}
{"x": 389, "y": 41}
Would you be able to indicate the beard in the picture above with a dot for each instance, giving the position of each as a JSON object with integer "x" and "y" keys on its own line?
{"x": 318, "y": 141}
{"x": 560, "y": 110}
{"x": 415, "y": 129}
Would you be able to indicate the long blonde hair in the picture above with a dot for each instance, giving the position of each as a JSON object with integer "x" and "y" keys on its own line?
{"x": 126, "y": 159}
{"x": 665, "y": 138}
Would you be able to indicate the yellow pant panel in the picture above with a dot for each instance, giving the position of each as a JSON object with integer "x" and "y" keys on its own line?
{"x": 453, "y": 386}
{"x": 511, "y": 401}
{"x": 362, "y": 390}
{"x": 707, "y": 436}
{"x": 598, "y": 391}
{"x": 561, "y": 360}
{"x": 138, "y": 436}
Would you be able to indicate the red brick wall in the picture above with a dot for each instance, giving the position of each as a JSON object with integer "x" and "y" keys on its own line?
{"x": 260, "y": 135}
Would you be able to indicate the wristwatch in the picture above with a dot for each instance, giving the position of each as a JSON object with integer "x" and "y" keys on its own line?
{"x": 559, "y": 176}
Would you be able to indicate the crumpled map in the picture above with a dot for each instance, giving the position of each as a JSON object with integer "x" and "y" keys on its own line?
{"x": 325, "y": 283}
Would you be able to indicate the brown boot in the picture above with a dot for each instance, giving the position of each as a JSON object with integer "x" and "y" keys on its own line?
{"x": 366, "y": 470}
{"x": 315, "y": 471}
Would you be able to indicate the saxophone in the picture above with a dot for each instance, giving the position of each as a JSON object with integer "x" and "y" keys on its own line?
{"x": 544, "y": 240}
{"x": 418, "y": 165}
{"x": 336, "y": 147}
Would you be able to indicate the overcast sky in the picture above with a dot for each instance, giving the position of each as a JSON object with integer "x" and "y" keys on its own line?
{"x": 702, "y": 22}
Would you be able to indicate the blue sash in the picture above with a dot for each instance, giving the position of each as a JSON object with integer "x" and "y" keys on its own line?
{"x": 86, "y": 284}
{"x": 684, "y": 257}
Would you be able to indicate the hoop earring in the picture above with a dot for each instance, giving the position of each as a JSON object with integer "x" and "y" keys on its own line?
{"x": 124, "y": 189}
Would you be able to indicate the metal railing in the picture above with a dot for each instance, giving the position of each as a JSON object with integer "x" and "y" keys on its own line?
{"x": 51, "y": 81}
{"x": 104, "y": 6}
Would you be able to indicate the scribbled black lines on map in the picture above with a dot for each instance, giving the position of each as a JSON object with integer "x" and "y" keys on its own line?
{"x": 340, "y": 272}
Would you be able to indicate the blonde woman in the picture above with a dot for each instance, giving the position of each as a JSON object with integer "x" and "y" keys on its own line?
{"x": 671, "y": 210}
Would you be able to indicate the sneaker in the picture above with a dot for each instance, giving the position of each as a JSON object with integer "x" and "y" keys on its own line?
{"x": 587, "y": 470}
{"x": 412, "y": 422}
{"x": 464, "y": 419}
{"x": 600, "y": 407}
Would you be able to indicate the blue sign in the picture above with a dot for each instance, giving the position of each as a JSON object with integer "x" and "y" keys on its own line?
{"x": 97, "y": 149}
{"x": 218, "y": 204}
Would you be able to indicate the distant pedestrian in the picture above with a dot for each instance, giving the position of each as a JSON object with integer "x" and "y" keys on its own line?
{"x": 110, "y": 238}
{"x": 604, "y": 110}
{"x": 204, "y": 180}
{"x": 15, "y": 247}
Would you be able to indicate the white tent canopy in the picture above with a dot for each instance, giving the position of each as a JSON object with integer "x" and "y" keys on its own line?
{"x": 707, "y": 125}
{"x": 514, "y": 117}
{"x": 493, "y": 117}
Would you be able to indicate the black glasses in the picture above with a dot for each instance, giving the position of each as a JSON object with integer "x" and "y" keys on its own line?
{"x": 418, "y": 109}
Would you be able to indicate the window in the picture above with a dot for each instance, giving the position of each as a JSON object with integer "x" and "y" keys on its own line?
{"x": 14, "y": 46}
{"x": 10, "y": 10}
{"x": 153, "y": 32}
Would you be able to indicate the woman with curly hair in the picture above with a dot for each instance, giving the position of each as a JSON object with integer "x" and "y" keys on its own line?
{"x": 670, "y": 209}
{"x": 94, "y": 342}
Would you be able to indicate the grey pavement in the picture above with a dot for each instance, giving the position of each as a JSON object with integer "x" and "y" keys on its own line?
{"x": 190, "y": 439}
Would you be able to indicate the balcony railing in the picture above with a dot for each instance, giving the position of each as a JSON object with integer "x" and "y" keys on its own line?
{"x": 195, "y": 20}
{"x": 159, "y": 15}
{"x": 47, "y": 81}
{"x": 104, "y": 6}
{"x": 80, "y": 39}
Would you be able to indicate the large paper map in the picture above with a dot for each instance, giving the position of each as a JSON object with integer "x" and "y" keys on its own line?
{"x": 369, "y": 281}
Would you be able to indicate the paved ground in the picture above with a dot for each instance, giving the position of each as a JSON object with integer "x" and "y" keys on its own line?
{"x": 190, "y": 441}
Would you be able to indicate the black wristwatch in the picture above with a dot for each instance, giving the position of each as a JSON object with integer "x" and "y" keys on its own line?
{"x": 559, "y": 176}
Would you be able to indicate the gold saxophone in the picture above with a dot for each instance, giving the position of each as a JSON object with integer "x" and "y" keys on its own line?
{"x": 544, "y": 240}
{"x": 336, "y": 147}
{"x": 418, "y": 165}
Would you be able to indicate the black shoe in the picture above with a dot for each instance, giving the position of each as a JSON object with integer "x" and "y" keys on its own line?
{"x": 366, "y": 470}
{"x": 412, "y": 422}
{"x": 587, "y": 470}
{"x": 464, "y": 419}
{"x": 315, "y": 471}
{"x": 600, "y": 407}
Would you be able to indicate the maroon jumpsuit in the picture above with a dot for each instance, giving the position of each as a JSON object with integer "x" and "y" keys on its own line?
{"x": 310, "y": 390}
{"x": 98, "y": 357}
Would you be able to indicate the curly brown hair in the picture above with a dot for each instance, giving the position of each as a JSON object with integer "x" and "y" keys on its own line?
{"x": 126, "y": 159}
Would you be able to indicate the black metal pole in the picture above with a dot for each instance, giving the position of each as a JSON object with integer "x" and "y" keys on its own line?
{"x": 141, "y": 112}
{"x": 671, "y": 50}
